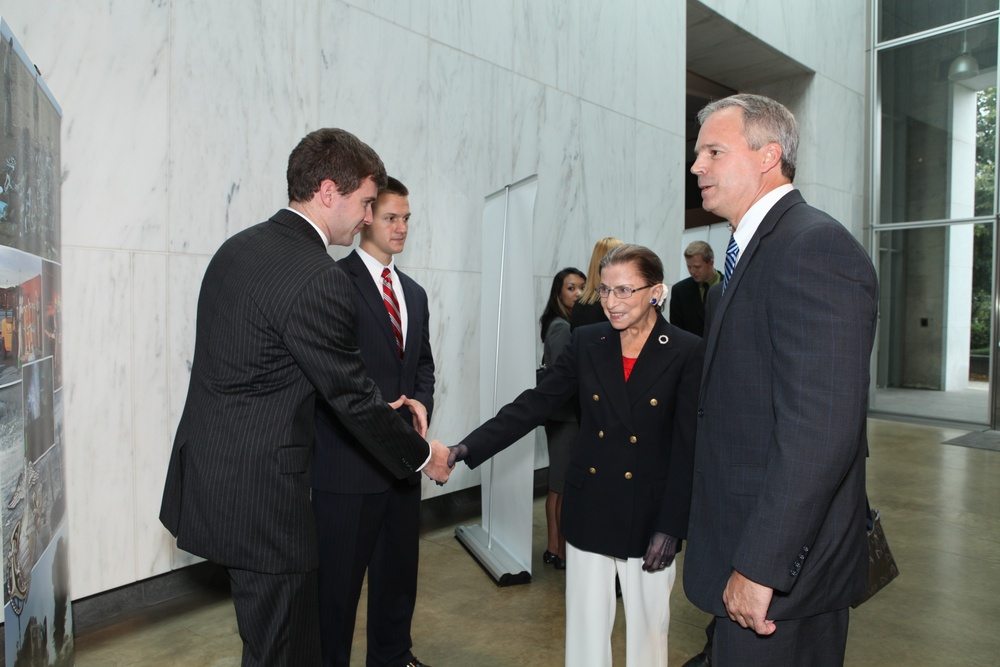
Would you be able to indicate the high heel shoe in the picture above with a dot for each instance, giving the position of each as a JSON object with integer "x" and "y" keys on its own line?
{"x": 549, "y": 558}
{"x": 559, "y": 563}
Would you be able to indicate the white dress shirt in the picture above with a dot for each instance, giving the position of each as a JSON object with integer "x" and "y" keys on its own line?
{"x": 751, "y": 219}
{"x": 375, "y": 269}
{"x": 326, "y": 241}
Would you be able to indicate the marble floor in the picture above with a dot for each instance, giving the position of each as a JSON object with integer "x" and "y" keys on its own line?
{"x": 941, "y": 511}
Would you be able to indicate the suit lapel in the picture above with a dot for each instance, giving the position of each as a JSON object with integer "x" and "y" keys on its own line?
{"x": 414, "y": 314}
{"x": 657, "y": 354}
{"x": 370, "y": 294}
{"x": 606, "y": 356}
{"x": 766, "y": 226}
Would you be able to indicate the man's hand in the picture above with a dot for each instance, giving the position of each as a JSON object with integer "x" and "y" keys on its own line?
{"x": 747, "y": 603}
{"x": 660, "y": 552}
{"x": 437, "y": 468}
{"x": 418, "y": 410}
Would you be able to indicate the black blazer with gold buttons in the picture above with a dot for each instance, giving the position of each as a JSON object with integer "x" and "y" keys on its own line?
{"x": 630, "y": 472}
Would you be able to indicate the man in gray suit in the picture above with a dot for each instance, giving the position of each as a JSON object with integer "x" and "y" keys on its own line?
{"x": 275, "y": 333}
{"x": 776, "y": 545}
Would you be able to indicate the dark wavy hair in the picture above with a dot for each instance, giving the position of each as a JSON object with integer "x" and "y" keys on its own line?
{"x": 334, "y": 154}
{"x": 555, "y": 308}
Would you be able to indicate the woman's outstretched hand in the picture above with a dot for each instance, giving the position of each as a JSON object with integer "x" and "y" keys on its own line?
{"x": 457, "y": 453}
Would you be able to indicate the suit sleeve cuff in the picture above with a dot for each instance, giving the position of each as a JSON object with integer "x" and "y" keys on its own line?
{"x": 427, "y": 460}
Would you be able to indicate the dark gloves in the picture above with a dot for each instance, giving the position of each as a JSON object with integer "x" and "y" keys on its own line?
{"x": 457, "y": 453}
{"x": 661, "y": 551}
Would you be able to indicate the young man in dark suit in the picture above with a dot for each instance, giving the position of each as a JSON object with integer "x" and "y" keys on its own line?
{"x": 687, "y": 297}
{"x": 275, "y": 332}
{"x": 367, "y": 519}
{"x": 776, "y": 543}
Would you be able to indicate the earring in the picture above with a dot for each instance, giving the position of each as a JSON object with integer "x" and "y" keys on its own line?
{"x": 652, "y": 301}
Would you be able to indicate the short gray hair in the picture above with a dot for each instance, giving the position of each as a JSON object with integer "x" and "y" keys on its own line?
{"x": 764, "y": 121}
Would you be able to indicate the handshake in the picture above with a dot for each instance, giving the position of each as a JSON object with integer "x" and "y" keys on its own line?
{"x": 443, "y": 460}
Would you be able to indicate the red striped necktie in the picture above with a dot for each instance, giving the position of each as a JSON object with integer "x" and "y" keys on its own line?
{"x": 392, "y": 306}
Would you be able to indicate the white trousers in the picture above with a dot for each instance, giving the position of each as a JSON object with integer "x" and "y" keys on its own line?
{"x": 591, "y": 604}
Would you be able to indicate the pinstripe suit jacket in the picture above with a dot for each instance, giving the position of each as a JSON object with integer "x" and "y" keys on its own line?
{"x": 341, "y": 464}
{"x": 779, "y": 483}
{"x": 630, "y": 472}
{"x": 274, "y": 333}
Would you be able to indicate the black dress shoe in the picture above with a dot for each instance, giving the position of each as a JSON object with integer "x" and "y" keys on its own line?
{"x": 548, "y": 558}
{"x": 559, "y": 563}
{"x": 700, "y": 660}
{"x": 415, "y": 663}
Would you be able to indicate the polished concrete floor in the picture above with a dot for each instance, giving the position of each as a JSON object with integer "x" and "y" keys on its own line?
{"x": 941, "y": 511}
{"x": 966, "y": 408}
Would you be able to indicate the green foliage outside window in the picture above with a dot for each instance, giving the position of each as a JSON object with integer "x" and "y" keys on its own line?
{"x": 982, "y": 267}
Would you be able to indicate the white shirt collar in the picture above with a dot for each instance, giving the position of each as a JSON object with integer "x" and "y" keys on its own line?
{"x": 751, "y": 219}
{"x": 375, "y": 270}
{"x": 326, "y": 241}
{"x": 375, "y": 267}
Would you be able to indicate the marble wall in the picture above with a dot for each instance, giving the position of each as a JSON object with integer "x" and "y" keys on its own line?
{"x": 179, "y": 116}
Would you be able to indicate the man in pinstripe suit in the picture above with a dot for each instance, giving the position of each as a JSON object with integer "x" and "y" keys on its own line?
{"x": 366, "y": 518}
{"x": 274, "y": 335}
{"x": 776, "y": 542}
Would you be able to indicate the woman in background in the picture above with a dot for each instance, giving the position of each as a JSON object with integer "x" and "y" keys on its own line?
{"x": 588, "y": 309}
{"x": 562, "y": 428}
{"x": 628, "y": 482}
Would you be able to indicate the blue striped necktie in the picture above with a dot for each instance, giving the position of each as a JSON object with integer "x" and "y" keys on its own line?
{"x": 732, "y": 252}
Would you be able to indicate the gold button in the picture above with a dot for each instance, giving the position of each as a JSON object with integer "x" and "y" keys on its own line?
{"x": 628, "y": 475}
{"x": 653, "y": 402}
{"x": 600, "y": 434}
{"x": 593, "y": 471}
{"x": 596, "y": 397}
{"x": 633, "y": 440}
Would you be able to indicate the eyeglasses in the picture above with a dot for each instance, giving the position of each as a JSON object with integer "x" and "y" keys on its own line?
{"x": 619, "y": 292}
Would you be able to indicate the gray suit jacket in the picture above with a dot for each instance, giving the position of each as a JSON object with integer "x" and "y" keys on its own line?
{"x": 779, "y": 482}
{"x": 275, "y": 333}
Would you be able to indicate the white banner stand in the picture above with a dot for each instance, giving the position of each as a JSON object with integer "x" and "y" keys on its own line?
{"x": 502, "y": 544}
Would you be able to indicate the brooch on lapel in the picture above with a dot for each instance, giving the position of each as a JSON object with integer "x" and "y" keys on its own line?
{"x": 664, "y": 339}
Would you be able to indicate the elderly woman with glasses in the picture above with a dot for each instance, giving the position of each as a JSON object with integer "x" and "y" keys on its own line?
{"x": 628, "y": 485}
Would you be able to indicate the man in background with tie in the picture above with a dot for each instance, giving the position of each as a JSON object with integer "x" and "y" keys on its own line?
{"x": 777, "y": 550}
{"x": 366, "y": 518}
{"x": 687, "y": 298}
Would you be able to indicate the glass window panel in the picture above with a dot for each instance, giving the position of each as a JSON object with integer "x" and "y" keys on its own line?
{"x": 932, "y": 155}
{"x": 934, "y": 328}
{"x": 897, "y": 18}
{"x": 986, "y": 133}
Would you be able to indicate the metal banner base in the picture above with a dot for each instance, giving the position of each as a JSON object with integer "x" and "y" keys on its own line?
{"x": 493, "y": 558}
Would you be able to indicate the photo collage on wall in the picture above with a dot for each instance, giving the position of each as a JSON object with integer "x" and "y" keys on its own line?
{"x": 38, "y": 623}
